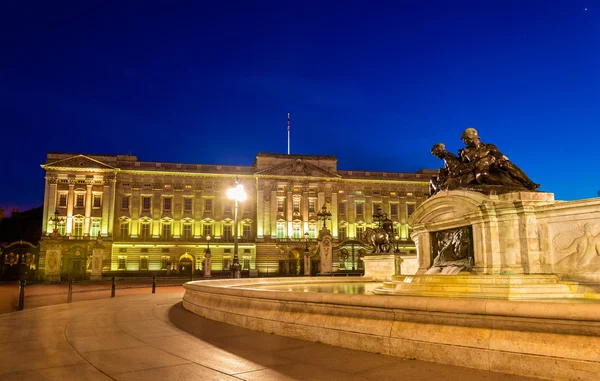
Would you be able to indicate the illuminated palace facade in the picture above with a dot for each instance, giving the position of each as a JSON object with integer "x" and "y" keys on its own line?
{"x": 158, "y": 217}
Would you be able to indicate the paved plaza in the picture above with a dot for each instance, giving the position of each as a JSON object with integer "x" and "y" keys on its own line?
{"x": 151, "y": 337}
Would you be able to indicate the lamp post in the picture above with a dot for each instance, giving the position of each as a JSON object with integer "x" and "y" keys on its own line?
{"x": 306, "y": 255}
{"x": 306, "y": 246}
{"x": 207, "y": 258}
{"x": 324, "y": 215}
{"x": 55, "y": 221}
{"x": 237, "y": 194}
{"x": 397, "y": 237}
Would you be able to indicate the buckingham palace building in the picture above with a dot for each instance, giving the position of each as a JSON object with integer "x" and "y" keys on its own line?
{"x": 112, "y": 215}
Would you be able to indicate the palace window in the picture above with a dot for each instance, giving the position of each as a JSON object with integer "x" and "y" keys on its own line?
{"x": 246, "y": 232}
{"x": 187, "y": 231}
{"x": 80, "y": 201}
{"x": 279, "y": 205}
{"x": 125, "y": 202}
{"x": 145, "y": 231}
{"x": 226, "y": 263}
{"x": 61, "y": 227}
{"x": 146, "y": 203}
{"x": 207, "y": 230}
{"x": 97, "y": 201}
{"x": 227, "y": 232}
{"x": 394, "y": 210}
{"x": 95, "y": 229}
{"x": 166, "y": 230}
{"x": 342, "y": 208}
{"x": 143, "y": 263}
{"x": 312, "y": 231}
{"x": 296, "y": 231}
{"x": 62, "y": 200}
{"x": 280, "y": 230}
{"x": 246, "y": 265}
{"x": 187, "y": 204}
{"x": 208, "y": 204}
{"x": 376, "y": 207}
{"x": 167, "y": 201}
{"x": 164, "y": 262}
{"x": 359, "y": 208}
{"x": 359, "y": 232}
{"x": 342, "y": 232}
{"x": 296, "y": 205}
{"x": 311, "y": 206}
{"x": 124, "y": 229}
{"x": 121, "y": 263}
{"x": 410, "y": 208}
{"x": 78, "y": 229}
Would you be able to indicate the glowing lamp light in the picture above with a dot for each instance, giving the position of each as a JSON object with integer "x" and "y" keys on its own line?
{"x": 237, "y": 193}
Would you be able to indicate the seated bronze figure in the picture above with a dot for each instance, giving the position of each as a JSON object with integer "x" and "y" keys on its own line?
{"x": 479, "y": 167}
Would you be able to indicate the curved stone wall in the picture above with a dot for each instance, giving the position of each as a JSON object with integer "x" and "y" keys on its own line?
{"x": 558, "y": 341}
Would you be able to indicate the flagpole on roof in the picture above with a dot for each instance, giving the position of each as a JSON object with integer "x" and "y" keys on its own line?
{"x": 288, "y": 133}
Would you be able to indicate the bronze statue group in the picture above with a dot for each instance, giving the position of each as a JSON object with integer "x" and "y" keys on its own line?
{"x": 479, "y": 167}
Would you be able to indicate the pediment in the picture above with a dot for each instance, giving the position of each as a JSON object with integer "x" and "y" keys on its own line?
{"x": 297, "y": 167}
{"x": 78, "y": 163}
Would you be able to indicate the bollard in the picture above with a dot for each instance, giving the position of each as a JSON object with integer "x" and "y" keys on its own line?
{"x": 70, "y": 295}
{"x": 114, "y": 287}
{"x": 21, "y": 295}
{"x": 154, "y": 284}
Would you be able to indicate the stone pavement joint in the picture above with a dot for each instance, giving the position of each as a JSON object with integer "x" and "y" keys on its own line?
{"x": 152, "y": 337}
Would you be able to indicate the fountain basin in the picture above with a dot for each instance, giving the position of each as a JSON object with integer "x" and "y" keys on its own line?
{"x": 539, "y": 339}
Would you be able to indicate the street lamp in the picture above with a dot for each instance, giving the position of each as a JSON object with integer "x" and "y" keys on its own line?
{"x": 237, "y": 194}
{"x": 306, "y": 255}
{"x": 397, "y": 237}
{"x": 207, "y": 258}
{"x": 306, "y": 240}
{"x": 324, "y": 215}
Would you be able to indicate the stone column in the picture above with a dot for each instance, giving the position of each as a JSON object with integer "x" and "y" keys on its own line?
{"x": 97, "y": 259}
{"x": 273, "y": 217}
{"x": 289, "y": 215}
{"x": 334, "y": 212}
{"x": 326, "y": 251}
{"x": 70, "y": 205}
{"x": 306, "y": 264}
{"x": 53, "y": 257}
{"x": 50, "y": 203}
{"x": 105, "y": 206}
{"x": 260, "y": 214}
{"x": 88, "y": 207}
{"x": 207, "y": 264}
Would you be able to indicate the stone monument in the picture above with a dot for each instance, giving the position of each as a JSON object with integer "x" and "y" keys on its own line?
{"x": 487, "y": 232}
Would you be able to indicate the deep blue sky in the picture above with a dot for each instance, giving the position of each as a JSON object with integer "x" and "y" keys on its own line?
{"x": 372, "y": 83}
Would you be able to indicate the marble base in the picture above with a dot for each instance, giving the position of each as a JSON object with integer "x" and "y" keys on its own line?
{"x": 508, "y": 287}
{"x": 554, "y": 341}
{"x": 379, "y": 267}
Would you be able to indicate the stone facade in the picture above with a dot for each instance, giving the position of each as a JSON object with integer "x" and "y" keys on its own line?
{"x": 156, "y": 216}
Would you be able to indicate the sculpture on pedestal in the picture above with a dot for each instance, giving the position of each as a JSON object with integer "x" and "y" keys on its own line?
{"x": 478, "y": 167}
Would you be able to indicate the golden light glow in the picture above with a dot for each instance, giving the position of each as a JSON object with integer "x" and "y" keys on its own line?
{"x": 237, "y": 193}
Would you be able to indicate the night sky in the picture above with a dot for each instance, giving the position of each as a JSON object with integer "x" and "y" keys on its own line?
{"x": 374, "y": 84}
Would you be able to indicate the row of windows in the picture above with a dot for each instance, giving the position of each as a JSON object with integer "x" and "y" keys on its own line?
{"x": 312, "y": 231}
{"x": 80, "y": 200}
{"x": 186, "y": 232}
{"x": 167, "y": 204}
{"x": 296, "y": 205}
{"x": 410, "y": 208}
{"x": 77, "y": 230}
{"x": 167, "y": 265}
